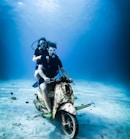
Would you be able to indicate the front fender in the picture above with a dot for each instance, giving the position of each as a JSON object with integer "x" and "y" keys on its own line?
{"x": 68, "y": 107}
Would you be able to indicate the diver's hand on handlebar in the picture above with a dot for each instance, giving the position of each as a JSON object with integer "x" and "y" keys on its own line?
{"x": 70, "y": 80}
{"x": 52, "y": 80}
{"x": 47, "y": 80}
{"x": 66, "y": 79}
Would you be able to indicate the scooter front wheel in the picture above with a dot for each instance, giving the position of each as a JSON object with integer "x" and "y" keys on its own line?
{"x": 69, "y": 124}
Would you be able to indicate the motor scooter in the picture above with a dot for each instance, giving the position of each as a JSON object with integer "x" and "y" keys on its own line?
{"x": 62, "y": 102}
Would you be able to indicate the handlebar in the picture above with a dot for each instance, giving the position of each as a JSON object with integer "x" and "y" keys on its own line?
{"x": 61, "y": 79}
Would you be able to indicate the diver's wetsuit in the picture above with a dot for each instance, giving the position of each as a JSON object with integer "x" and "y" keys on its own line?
{"x": 51, "y": 67}
{"x": 39, "y": 52}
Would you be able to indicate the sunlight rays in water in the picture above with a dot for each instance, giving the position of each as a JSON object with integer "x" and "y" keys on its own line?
{"x": 49, "y": 5}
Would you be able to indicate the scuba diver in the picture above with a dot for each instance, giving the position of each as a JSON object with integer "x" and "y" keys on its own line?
{"x": 40, "y": 51}
{"x": 48, "y": 68}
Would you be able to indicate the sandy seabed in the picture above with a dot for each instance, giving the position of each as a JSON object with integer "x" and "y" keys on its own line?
{"x": 109, "y": 118}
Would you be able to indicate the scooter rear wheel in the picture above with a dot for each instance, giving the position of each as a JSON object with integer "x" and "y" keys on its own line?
{"x": 69, "y": 124}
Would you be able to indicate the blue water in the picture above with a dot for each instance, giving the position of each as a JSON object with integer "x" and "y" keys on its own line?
{"x": 91, "y": 36}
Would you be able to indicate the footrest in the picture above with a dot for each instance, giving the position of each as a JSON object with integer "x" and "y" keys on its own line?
{"x": 47, "y": 115}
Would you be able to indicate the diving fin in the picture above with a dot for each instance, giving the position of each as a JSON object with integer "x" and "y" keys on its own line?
{"x": 83, "y": 106}
{"x": 47, "y": 115}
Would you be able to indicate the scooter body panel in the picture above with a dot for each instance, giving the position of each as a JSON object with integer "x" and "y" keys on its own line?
{"x": 68, "y": 107}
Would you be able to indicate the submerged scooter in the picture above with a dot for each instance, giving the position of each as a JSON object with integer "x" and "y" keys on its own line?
{"x": 62, "y": 102}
